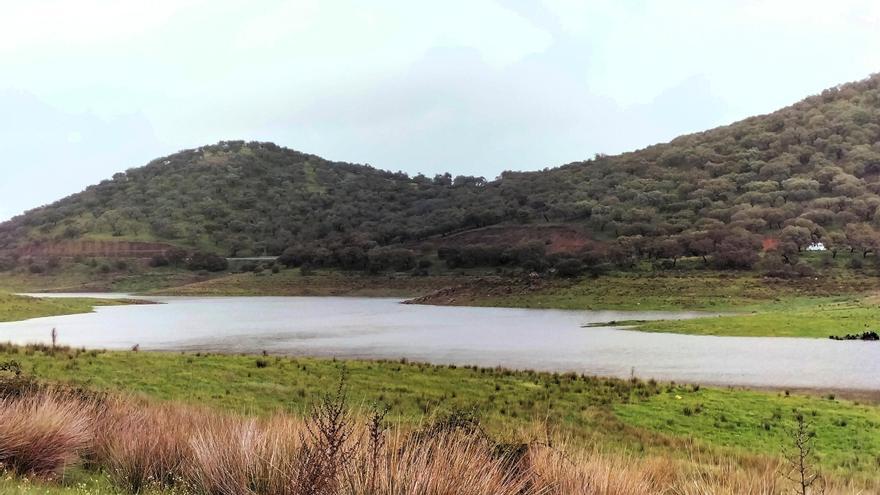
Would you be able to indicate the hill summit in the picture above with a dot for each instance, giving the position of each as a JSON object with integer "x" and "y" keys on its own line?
{"x": 803, "y": 174}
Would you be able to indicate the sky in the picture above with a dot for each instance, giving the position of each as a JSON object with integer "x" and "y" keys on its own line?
{"x": 89, "y": 88}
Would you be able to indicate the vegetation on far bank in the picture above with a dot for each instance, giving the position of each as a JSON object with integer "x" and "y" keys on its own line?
{"x": 14, "y": 308}
{"x": 806, "y": 317}
{"x": 317, "y": 283}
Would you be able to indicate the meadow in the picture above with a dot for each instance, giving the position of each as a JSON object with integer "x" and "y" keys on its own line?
{"x": 611, "y": 415}
{"x": 14, "y": 308}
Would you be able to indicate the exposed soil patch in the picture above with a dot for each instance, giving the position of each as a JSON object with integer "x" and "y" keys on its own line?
{"x": 102, "y": 249}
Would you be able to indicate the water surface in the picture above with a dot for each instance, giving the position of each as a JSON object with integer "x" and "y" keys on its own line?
{"x": 552, "y": 340}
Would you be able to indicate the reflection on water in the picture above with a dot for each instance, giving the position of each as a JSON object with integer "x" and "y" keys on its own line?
{"x": 516, "y": 338}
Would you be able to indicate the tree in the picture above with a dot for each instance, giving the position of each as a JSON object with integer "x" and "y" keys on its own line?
{"x": 384, "y": 258}
{"x": 207, "y": 261}
{"x": 800, "y": 457}
{"x": 834, "y": 242}
{"x": 862, "y": 237}
{"x": 569, "y": 267}
{"x": 669, "y": 248}
{"x": 736, "y": 249}
{"x": 800, "y": 237}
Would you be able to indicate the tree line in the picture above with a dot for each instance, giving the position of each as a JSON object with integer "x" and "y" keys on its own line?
{"x": 807, "y": 173}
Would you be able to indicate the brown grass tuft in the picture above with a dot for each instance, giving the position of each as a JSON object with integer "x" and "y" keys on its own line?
{"x": 45, "y": 433}
{"x": 143, "y": 445}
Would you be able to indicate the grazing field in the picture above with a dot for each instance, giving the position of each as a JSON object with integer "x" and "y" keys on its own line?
{"x": 325, "y": 283}
{"x": 100, "y": 276}
{"x": 610, "y": 414}
{"x": 133, "y": 446}
{"x": 687, "y": 290}
{"x": 818, "y": 308}
{"x": 13, "y": 308}
{"x": 802, "y": 317}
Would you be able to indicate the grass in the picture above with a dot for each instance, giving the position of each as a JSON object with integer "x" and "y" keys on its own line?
{"x": 847, "y": 435}
{"x": 81, "y": 277}
{"x": 79, "y": 484}
{"x": 686, "y": 290}
{"x": 815, "y": 308}
{"x": 614, "y": 415}
{"x": 75, "y": 443}
{"x": 325, "y": 283}
{"x": 805, "y": 317}
{"x": 13, "y": 308}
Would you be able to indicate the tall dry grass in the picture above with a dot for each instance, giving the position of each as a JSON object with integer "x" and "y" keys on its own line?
{"x": 43, "y": 433}
{"x": 145, "y": 445}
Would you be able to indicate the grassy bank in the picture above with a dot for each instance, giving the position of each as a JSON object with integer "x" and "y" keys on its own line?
{"x": 324, "y": 283}
{"x": 133, "y": 277}
{"x": 14, "y": 308}
{"x": 694, "y": 290}
{"x": 612, "y": 415}
{"x": 804, "y": 317}
{"x": 838, "y": 304}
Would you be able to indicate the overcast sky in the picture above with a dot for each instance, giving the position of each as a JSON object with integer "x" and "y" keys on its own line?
{"x": 89, "y": 87}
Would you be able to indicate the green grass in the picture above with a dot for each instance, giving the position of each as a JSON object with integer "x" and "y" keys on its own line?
{"x": 603, "y": 413}
{"x": 685, "y": 290}
{"x": 833, "y": 305}
{"x": 812, "y": 317}
{"x": 75, "y": 482}
{"x": 14, "y": 308}
{"x": 323, "y": 283}
{"x": 81, "y": 277}
{"x": 847, "y": 435}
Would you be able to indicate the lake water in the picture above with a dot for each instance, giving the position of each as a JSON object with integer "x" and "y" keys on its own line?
{"x": 550, "y": 340}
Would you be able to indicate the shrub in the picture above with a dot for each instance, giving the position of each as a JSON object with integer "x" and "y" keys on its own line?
{"x": 207, "y": 261}
{"x": 42, "y": 434}
{"x": 569, "y": 268}
{"x": 159, "y": 261}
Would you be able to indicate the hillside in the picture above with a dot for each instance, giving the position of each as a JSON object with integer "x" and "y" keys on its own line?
{"x": 807, "y": 173}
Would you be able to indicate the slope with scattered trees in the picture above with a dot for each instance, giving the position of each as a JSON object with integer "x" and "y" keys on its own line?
{"x": 779, "y": 182}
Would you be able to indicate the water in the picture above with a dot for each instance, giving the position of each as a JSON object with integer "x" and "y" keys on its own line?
{"x": 550, "y": 340}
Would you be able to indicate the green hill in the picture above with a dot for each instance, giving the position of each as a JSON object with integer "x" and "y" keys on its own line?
{"x": 807, "y": 173}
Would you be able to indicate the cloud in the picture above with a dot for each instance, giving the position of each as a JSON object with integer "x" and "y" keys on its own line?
{"x": 470, "y": 86}
{"x": 453, "y": 111}
{"x": 46, "y": 154}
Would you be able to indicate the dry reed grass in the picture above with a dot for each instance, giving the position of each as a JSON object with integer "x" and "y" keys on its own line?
{"x": 144, "y": 445}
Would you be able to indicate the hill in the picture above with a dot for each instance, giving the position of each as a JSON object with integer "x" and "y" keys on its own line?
{"x": 804, "y": 174}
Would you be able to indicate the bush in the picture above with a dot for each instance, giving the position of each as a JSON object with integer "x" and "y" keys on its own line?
{"x": 159, "y": 261}
{"x": 207, "y": 261}
{"x": 385, "y": 258}
{"x": 569, "y": 268}
{"x": 296, "y": 256}
{"x": 43, "y": 434}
